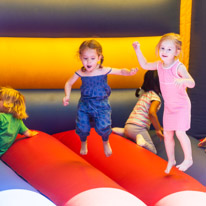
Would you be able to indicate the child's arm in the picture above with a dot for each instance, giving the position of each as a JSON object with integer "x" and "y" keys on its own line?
{"x": 202, "y": 143}
{"x": 68, "y": 88}
{"x": 154, "y": 119}
{"x": 142, "y": 61}
{"x": 30, "y": 133}
{"x": 186, "y": 78}
{"x": 124, "y": 72}
{"x": 27, "y": 133}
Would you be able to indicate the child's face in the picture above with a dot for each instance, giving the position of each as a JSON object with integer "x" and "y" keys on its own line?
{"x": 168, "y": 51}
{"x": 90, "y": 59}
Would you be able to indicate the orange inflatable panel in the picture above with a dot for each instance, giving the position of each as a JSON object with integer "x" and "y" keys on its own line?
{"x": 53, "y": 169}
{"x": 136, "y": 169}
{"x": 47, "y": 63}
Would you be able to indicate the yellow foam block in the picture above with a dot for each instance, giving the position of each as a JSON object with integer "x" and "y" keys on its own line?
{"x": 47, "y": 63}
{"x": 185, "y": 28}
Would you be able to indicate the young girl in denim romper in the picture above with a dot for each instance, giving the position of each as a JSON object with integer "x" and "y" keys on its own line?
{"x": 94, "y": 94}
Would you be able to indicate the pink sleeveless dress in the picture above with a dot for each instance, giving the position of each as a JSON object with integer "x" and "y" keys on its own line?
{"x": 177, "y": 105}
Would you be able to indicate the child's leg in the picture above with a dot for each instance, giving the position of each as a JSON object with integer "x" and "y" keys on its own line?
{"x": 131, "y": 131}
{"x": 118, "y": 130}
{"x": 186, "y": 146}
{"x": 83, "y": 128}
{"x": 170, "y": 149}
{"x": 106, "y": 145}
{"x": 103, "y": 127}
{"x": 84, "y": 149}
{"x": 140, "y": 136}
{"x": 107, "y": 148}
{"x": 144, "y": 140}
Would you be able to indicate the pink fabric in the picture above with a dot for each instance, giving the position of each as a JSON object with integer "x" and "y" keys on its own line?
{"x": 177, "y": 105}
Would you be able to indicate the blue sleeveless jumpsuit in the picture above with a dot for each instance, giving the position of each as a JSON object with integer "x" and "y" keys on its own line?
{"x": 94, "y": 104}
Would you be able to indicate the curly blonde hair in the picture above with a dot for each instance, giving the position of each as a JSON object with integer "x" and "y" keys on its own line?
{"x": 13, "y": 102}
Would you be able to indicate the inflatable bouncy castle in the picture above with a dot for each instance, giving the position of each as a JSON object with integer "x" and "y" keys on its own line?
{"x": 39, "y": 40}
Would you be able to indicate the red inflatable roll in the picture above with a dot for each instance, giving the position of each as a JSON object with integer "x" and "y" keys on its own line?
{"x": 53, "y": 169}
{"x": 136, "y": 169}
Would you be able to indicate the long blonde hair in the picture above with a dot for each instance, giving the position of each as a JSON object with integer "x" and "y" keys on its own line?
{"x": 13, "y": 102}
{"x": 173, "y": 37}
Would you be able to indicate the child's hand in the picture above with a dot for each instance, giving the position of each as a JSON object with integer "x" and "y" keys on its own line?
{"x": 133, "y": 71}
{"x": 30, "y": 133}
{"x": 179, "y": 83}
{"x": 136, "y": 45}
{"x": 160, "y": 134}
{"x": 33, "y": 133}
{"x": 202, "y": 143}
{"x": 66, "y": 100}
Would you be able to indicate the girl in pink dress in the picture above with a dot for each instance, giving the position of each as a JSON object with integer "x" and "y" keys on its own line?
{"x": 174, "y": 79}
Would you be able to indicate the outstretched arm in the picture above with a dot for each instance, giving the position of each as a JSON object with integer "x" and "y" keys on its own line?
{"x": 27, "y": 133}
{"x": 154, "y": 119}
{"x": 124, "y": 72}
{"x": 186, "y": 78}
{"x": 30, "y": 133}
{"x": 142, "y": 61}
{"x": 68, "y": 88}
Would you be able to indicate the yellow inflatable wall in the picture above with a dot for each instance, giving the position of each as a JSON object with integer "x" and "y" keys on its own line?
{"x": 46, "y": 63}
{"x": 49, "y": 62}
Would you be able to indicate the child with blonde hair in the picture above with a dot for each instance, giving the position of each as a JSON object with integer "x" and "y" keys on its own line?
{"x": 94, "y": 94}
{"x": 12, "y": 111}
{"x": 174, "y": 79}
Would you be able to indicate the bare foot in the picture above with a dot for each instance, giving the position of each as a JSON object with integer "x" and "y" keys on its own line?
{"x": 140, "y": 140}
{"x": 202, "y": 143}
{"x": 170, "y": 164}
{"x": 185, "y": 165}
{"x": 142, "y": 143}
{"x": 118, "y": 130}
{"x": 84, "y": 150}
{"x": 107, "y": 148}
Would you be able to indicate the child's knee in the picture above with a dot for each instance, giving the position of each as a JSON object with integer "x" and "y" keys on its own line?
{"x": 178, "y": 133}
{"x": 181, "y": 135}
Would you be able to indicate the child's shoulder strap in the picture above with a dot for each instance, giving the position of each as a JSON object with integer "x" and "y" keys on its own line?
{"x": 109, "y": 71}
{"x": 78, "y": 74}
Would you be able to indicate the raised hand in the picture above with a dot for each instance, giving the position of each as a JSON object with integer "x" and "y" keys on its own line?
{"x": 136, "y": 45}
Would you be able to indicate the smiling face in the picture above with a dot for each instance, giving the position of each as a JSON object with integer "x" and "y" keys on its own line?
{"x": 168, "y": 52}
{"x": 90, "y": 59}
